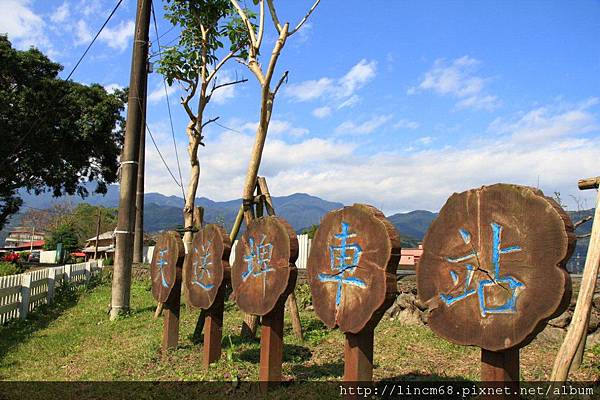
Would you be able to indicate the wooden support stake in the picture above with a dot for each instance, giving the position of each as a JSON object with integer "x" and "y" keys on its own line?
{"x": 501, "y": 367}
{"x": 358, "y": 356}
{"x": 578, "y": 328}
{"x": 171, "y": 312}
{"x": 214, "y": 329}
{"x": 293, "y": 309}
{"x": 271, "y": 347}
{"x": 197, "y": 336}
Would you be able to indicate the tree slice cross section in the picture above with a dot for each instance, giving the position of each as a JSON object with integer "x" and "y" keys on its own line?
{"x": 263, "y": 271}
{"x": 167, "y": 251}
{"x": 352, "y": 267}
{"x": 493, "y": 266}
{"x": 207, "y": 265}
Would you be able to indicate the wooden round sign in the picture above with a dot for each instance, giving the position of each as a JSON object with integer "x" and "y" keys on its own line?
{"x": 207, "y": 265}
{"x": 163, "y": 268}
{"x": 352, "y": 267}
{"x": 263, "y": 271}
{"x": 493, "y": 266}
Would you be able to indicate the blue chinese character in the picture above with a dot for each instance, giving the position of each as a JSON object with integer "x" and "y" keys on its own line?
{"x": 258, "y": 259}
{"x": 201, "y": 263}
{"x": 513, "y": 284}
{"x": 161, "y": 265}
{"x": 343, "y": 259}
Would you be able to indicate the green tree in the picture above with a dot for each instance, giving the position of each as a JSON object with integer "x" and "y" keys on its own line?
{"x": 195, "y": 62}
{"x": 65, "y": 234}
{"x": 310, "y": 231}
{"x": 54, "y": 134}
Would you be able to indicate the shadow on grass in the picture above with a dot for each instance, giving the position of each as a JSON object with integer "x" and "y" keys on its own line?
{"x": 318, "y": 371}
{"x": 17, "y": 331}
{"x": 291, "y": 353}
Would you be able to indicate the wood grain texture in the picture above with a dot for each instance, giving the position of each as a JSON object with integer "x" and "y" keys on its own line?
{"x": 493, "y": 266}
{"x": 263, "y": 271}
{"x": 207, "y": 265}
{"x": 167, "y": 251}
{"x": 352, "y": 267}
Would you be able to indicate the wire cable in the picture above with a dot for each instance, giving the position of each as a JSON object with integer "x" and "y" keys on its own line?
{"x": 168, "y": 105}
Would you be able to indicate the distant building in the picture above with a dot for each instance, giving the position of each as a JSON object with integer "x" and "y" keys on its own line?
{"x": 106, "y": 246}
{"x": 21, "y": 238}
{"x": 409, "y": 258}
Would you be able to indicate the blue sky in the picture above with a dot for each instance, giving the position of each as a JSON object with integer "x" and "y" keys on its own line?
{"x": 397, "y": 104}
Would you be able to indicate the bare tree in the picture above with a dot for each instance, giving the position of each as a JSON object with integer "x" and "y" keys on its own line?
{"x": 194, "y": 63}
{"x": 254, "y": 36}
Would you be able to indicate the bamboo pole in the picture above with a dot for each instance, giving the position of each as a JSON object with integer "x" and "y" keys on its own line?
{"x": 577, "y": 329}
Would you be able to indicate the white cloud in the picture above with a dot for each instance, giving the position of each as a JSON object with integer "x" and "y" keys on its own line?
{"x": 61, "y": 13}
{"x": 120, "y": 37}
{"x": 225, "y": 93}
{"x": 24, "y": 27}
{"x": 83, "y": 34}
{"x": 369, "y": 126}
{"x": 396, "y": 179}
{"x": 338, "y": 92}
{"x": 357, "y": 77}
{"x": 406, "y": 124}
{"x": 458, "y": 79}
{"x": 112, "y": 87}
{"x": 349, "y": 102}
{"x": 425, "y": 140}
{"x": 309, "y": 90}
{"x": 158, "y": 93}
{"x": 550, "y": 122}
{"x": 276, "y": 127}
{"x": 322, "y": 112}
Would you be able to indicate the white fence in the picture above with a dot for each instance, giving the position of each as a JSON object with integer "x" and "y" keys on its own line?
{"x": 20, "y": 294}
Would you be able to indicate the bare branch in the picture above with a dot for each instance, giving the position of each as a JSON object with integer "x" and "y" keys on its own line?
{"x": 188, "y": 110}
{"x": 261, "y": 24}
{"x": 305, "y": 18}
{"x": 281, "y": 80}
{"x": 209, "y": 121}
{"x": 244, "y": 18}
{"x": 228, "y": 84}
{"x": 582, "y": 221}
{"x": 274, "y": 16}
{"x": 275, "y": 54}
{"x": 220, "y": 64}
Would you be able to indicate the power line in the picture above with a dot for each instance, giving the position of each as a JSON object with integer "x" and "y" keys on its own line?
{"x": 229, "y": 129}
{"x": 168, "y": 106}
{"x": 94, "y": 39}
{"x": 161, "y": 157}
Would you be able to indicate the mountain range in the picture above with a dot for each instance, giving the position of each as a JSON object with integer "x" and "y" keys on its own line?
{"x": 301, "y": 210}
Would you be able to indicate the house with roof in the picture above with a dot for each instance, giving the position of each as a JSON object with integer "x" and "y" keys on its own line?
{"x": 106, "y": 246}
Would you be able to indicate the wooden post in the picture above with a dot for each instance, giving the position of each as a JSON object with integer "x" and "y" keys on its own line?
{"x": 501, "y": 368}
{"x": 271, "y": 348}
{"x": 171, "y": 314}
{"x": 25, "y": 295}
{"x": 358, "y": 356}
{"x": 97, "y": 234}
{"x": 578, "y": 329}
{"x": 51, "y": 283}
{"x": 214, "y": 329}
{"x": 121, "y": 282}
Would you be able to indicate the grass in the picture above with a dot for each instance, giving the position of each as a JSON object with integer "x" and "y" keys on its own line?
{"x": 74, "y": 341}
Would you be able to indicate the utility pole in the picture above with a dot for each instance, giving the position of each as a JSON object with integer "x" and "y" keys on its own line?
{"x": 32, "y": 238}
{"x": 138, "y": 238}
{"x": 97, "y": 234}
{"x": 121, "y": 284}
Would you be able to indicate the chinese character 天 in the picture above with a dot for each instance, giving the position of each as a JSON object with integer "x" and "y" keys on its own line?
{"x": 508, "y": 282}
{"x": 344, "y": 259}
